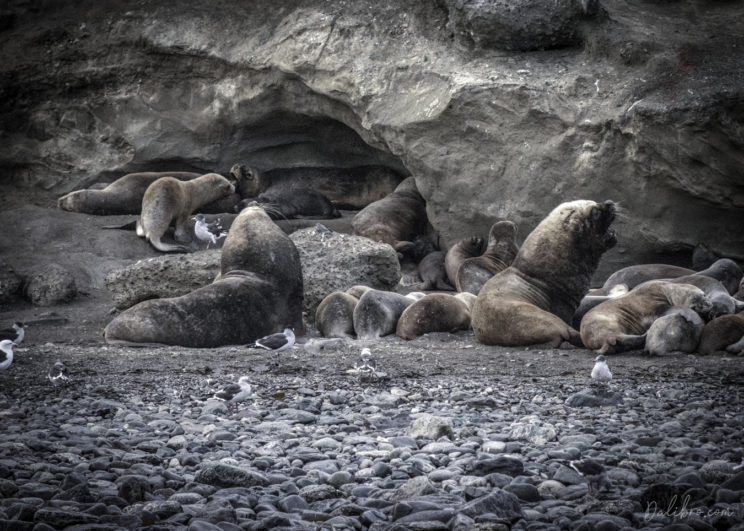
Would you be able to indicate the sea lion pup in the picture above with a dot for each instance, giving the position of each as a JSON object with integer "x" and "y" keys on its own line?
{"x": 620, "y": 324}
{"x": 334, "y": 316}
{"x": 721, "y": 333}
{"x": 395, "y": 219}
{"x": 123, "y": 196}
{"x": 502, "y": 247}
{"x": 259, "y": 292}
{"x": 411, "y": 255}
{"x": 458, "y": 253}
{"x": 432, "y": 272}
{"x": 726, "y": 271}
{"x": 678, "y": 330}
{"x": 531, "y": 301}
{"x": 715, "y": 291}
{"x": 437, "y": 312}
{"x": 293, "y": 203}
{"x": 169, "y": 200}
{"x": 377, "y": 312}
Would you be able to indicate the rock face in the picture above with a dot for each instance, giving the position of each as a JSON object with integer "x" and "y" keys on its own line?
{"x": 499, "y": 109}
{"x": 50, "y": 285}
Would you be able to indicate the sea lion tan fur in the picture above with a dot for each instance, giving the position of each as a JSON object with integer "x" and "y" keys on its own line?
{"x": 531, "y": 301}
{"x": 259, "y": 292}
{"x": 502, "y": 247}
{"x": 437, "y": 312}
{"x": 621, "y": 324}
{"x": 678, "y": 330}
{"x": 722, "y": 332}
{"x": 396, "y": 219}
{"x": 334, "y": 316}
{"x": 169, "y": 200}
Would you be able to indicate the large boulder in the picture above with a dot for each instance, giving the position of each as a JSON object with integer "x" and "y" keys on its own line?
{"x": 161, "y": 277}
{"x": 50, "y": 285}
{"x": 336, "y": 261}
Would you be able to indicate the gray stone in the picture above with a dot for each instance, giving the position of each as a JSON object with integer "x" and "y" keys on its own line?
{"x": 342, "y": 261}
{"x": 532, "y": 429}
{"x": 162, "y": 277}
{"x": 594, "y": 398}
{"x": 524, "y": 491}
{"x": 503, "y": 504}
{"x": 430, "y": 427}
{"x": 50, "y": 285}
{"x": 222, "y": 475}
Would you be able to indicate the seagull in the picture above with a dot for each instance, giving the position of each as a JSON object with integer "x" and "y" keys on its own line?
{"x": 208, "y": 232}
{"x": 235, "y": 392}
{"x": 601, "y": 372}
{"x": 367, "y": 365}
{"x": 15, "y": 334}
{"x": 592, "y": 470}
{"x": 58, "y": 374}
{"x": 6, "y": 356}
{"x": 275, "y": 342}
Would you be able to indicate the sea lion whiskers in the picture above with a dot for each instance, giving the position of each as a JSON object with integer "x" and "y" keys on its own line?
{"x": 272, "y": 210}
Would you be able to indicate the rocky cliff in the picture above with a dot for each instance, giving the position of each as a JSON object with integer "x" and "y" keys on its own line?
{"x": 500, "y": 109}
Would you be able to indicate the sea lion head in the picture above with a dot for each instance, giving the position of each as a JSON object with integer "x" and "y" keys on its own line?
{"x": 727, "y": 272}
{"x": 247, "y": 180}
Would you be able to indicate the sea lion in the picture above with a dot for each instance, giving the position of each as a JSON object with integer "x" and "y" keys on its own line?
{"x": 678, "y": 330}
{"x": 437, "y": 312}
{"x": 458, "y": 253}
{"x": 502, "y": 247}
{"x": 703, "y": 257}
{"x": 396, "y": 219}
{"x": 349, "y": 188}
{"x": 620, "y": 324}
{"x": 411, "y": 254}
{"x": 724, "y": 270}
{"x": 531, "y": 301}
{"x": 259, "y": 292}
{"x": 169, "y": 200}
{"x": 740, "y": 292}
{"x": 377, "y": 313}
{"x": 334, "y": 316}
{"x": 721, "y": 333}
{"x": 715, "y": 291}
{"x": 124, "y": 195}
{"x": 432, "y": 272}
{"x": 294, "y": 203}
{"x": 590, "y": 300}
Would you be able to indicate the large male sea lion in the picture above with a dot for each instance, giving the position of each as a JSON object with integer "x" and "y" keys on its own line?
{"x": 397, "y": 219}
{"x": 437, "y": 312}
{"x": 259, "y": 292}
{"x": 502, "y": 247}
{"x": 169, "y": 200}
{"x": 620, "y": 324}
{"x": 531, "y": 301}
{"x": 458, "y": 253}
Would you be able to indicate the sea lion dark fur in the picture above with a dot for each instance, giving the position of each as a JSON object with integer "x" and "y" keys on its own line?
{"x": 293, "y": 203}
{"x": 531, "y": 301}
{"x": 502, "y": 247}
{"x": 334, "y": 316}
{"x": 350, "y": 188}
{"x": 259, "y": 292}
{"x": 715, "y": 291}
{"x": 168, "y": 201}
{"x": 458, "y": 253}
{"x": 678, "y": 330}
{"x": 432, "y": 272}
{"x": 396, "y": 219}
{"x": 621, "y": 324}
{"x": 721, "y": 333}
{"x": 437, "y": 312}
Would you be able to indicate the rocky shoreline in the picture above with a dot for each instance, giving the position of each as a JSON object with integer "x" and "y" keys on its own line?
{"x": 454, "y": 435}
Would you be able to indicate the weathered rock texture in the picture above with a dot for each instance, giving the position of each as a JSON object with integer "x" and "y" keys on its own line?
{"x": 499, "y": 109}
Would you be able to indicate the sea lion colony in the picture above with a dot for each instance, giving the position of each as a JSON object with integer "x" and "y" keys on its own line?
{"x": 536, "y": 294}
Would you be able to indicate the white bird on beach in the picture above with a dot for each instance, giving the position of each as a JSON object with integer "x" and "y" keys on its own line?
{"x": 367, "y": 365}
{"x": 6, "y": 353}
{"x": 15, "y": 334}
{"x": 235, "y": 392}
{"x": 208, "y": 232}
{"x": 601, "y": 372}
{"x": 58, "y": 374}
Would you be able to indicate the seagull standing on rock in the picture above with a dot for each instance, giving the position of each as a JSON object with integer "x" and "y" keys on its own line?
{"x": 601, "y": 372}
{"x": 593, "y": 471}
{"x": 367, "y": 365}
{"x": 275, "y": 342}
{"x": 6, "y": 354}
{"x": 14, "y": 334}
{"x": 208, "y": 232}
{"x": 58, "y": 374}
